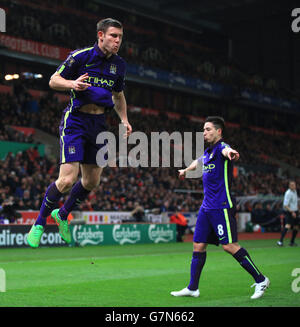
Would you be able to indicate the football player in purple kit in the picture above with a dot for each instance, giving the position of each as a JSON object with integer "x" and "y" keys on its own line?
{"x": 216, "y": 223}
{"x": 95, "y": 78}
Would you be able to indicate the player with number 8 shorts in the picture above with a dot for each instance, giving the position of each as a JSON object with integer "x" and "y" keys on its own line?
{"x": 216, "y": 222}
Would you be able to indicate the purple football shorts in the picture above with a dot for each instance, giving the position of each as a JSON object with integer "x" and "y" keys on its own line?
{"x": 216, "y": 226}
{"x": 78, "y": 133}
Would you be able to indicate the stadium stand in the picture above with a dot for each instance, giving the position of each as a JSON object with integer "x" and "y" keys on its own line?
{"x": 268, "y": 150}
{"x": 150, "y": 44}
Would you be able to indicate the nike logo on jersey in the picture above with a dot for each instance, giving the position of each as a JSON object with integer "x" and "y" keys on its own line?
{"x": 89, "y": 65}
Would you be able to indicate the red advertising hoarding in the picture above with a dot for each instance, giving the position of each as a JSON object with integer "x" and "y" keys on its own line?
{"x": 33, "y": 47}
{"x": 29, "y": 218}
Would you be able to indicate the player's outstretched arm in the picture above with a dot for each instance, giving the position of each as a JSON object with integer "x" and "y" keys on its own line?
{"x": 192, "y": 166}
{"x": 231, "y": 154}
{"x": 59, "y": 83}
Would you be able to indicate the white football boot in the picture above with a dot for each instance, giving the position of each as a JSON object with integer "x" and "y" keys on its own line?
{"x": 260, "y": 288}
{"x": 186, "y": 292}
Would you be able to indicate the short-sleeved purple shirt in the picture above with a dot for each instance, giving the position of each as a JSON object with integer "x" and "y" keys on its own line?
{"x": 217, "y": 177}
{"x": 105, "y": 75}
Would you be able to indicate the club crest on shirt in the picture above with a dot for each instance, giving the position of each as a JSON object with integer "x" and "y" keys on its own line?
{"x": 70, "y": 61}
{"x": 72, "y": 150}
{"x": 113, "y": 69}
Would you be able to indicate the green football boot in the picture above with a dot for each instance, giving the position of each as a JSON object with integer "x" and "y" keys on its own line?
{"x": 63, "y": 226}
{"x": 34, "y": 236}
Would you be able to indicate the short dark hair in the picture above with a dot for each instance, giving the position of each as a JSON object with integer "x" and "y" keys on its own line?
{"x": 105, "y": 23}
{"x": 217, "y": 121}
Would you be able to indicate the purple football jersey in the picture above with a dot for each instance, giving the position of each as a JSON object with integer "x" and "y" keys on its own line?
{"x": 217, "y": 177}
{"x": 105, "y": 75}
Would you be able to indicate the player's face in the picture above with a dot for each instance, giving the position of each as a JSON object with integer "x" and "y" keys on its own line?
{"x": 211, "y": 134}
{"x": 292, "y": 186}
{"x": 111, "y": 40}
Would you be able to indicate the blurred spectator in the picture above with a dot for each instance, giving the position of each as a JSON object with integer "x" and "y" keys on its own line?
{"x": 258, "y": 214}
{"x": 8, "y": 211}
{"x": 138, "y": 213}
{"x": 181, "y": 225}
{"x": 272, "y": 217}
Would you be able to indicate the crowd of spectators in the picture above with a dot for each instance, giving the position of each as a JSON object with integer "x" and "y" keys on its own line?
{"x": 146, "y": 42}
{"x": 25, "y": 176}
{"x": 24, "y": 180}
{"x": 9, "y": 134}
{"x": 256, "y": 147}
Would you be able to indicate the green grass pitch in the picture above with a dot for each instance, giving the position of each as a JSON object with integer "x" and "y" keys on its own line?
{"x": 143, "y": 276}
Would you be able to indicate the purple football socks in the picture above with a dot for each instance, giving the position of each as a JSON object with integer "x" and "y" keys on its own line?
{"x": 198, "y": 261}
{"x": 49, "y": 202}
{"x": 77, "y": 195}
{"x": 243, "y": 257}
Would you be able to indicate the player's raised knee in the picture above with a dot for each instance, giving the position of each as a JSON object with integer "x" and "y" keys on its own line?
{"x": 90, "y": 184}
{"x": 64, "y": 184}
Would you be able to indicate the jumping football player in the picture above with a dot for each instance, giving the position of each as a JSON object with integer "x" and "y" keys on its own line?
{"x": 95, "y": 78}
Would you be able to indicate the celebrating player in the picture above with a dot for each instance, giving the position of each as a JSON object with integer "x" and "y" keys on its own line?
{"x": 216, "y": 222}
{"x": 95, "y": 77}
